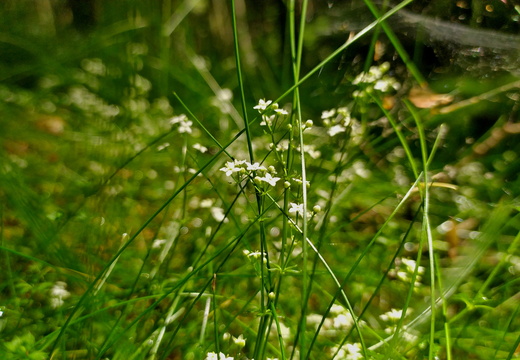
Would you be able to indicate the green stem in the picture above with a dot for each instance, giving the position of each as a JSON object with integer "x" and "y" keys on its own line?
{"x": 425, "y": 192}
{"x": 241, "y": 81}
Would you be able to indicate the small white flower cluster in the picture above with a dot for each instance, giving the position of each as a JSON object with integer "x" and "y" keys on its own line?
{"x": 222, "y": 356}
{"x": 219, "y": 356}
{"x": 262, "y": 175}
{"x": 183, "y": 122}
{"x": 405, "y": 273}
{"x": 58, "y": 294}
{"x": 340, "y": 320}
{"x": 270, "y": 112}
{"x": 337, "y": 120}
{"x": 348, "y": 352}
{"x": 298, "y": 209}
{"x": 375, "y": 79}
{"x": 200, "y": 148}
{"x": 392, "y": 317}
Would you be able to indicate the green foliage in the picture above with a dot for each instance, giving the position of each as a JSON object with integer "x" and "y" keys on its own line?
{"x": 22, "y": 348}
{"x": 210, "y": 180}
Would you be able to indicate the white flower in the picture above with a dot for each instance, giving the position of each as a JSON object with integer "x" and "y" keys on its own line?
{"x": 225, "y": 95}
{"x": 233, "y": 167}
{"x": 240, "y": 341}
{"x": 229, "y": 168}
{"x": 206, "y": 203}
{"x": 262, "y": 105}
{"x": 296, "y": 208}
{"x": 185, "y": 127}
{"x": 328, "y": 113}
{"x": 58, "y": 294}
{"x": 348, "y": 352}
{"x": 220, "y": 356}
{"x": 354, "y": 351}
{"x": 218, "y": 213}
{"x": 346, "y": 120}
{"x": 344, "y": 111}
{"x": 281, "y": 112}
{"x": 337, "y": 309}
{"x": 402, "y": 275}
{"x": 268, "y": 178}
{"x": 255, "y": 167}
{"x": 282, "y": 145}
{"x": 200, "y": 147}
{"x": 336, "y": 129}
{"x": 387, "y": 83}
{"x": 392, "y": 315}
{"x": 381, "y": 85}
{"x": 178, "y": 119}
{"x": 360, "y": 169}
{"x": 184, "y": 123}
{"x": 211, "y": 356}
{"x": 411, "y": 265}
{"x": 343, "y": 321}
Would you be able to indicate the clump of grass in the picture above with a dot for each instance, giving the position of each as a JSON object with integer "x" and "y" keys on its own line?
{"x": 155, "y": 220}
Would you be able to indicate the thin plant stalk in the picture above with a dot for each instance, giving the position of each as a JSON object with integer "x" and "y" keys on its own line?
{"x": 266, "y": 283}
{"x": 447, "y": 330}
{"x": 296, "y": 54}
